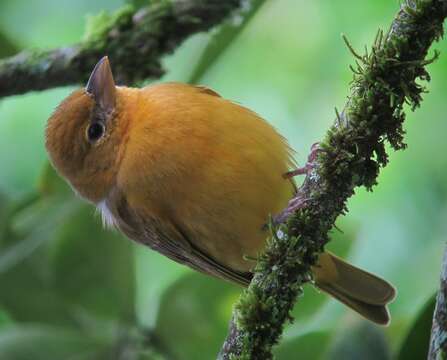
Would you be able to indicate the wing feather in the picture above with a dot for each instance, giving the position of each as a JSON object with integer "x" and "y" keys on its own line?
{"x": 170, "y": 239}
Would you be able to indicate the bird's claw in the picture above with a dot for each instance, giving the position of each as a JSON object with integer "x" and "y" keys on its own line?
{"x": 314, "y": 150}
{"x": 298, "y": 201}
{"x": 294, "y": 204}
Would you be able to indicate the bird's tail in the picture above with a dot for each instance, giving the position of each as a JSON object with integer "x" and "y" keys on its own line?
{"x": 363, "y": 292}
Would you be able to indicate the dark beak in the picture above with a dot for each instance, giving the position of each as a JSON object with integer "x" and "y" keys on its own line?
{"x": 101, "y": 85}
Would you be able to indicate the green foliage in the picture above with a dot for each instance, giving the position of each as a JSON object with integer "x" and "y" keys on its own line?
{"x": 101, "y": 259}
{"x": 197, "y": 307}
{"x": 98, "y": 26}
{"x": 417, "y": 341}
{"x": 350, "y": 156}
{"x": 58, "y": 250}
{"x": 7, "y": 47}
{"x": 308, "y": 346}
{"x": 360, "y": 340}
{"x": 72, "y": 290}
{"x": 222, "y": 39}
{"x": 5, "y": 319}
{"x": 41, "y": 342}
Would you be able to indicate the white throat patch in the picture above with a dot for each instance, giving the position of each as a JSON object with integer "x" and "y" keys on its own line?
{"x": 108, "y": 220}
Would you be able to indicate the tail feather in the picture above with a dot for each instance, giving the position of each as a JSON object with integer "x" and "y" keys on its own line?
{"x": 378, "y": 314}
{"x": 363, "y": 292}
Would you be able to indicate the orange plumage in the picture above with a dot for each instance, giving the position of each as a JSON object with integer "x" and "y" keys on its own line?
{"x": 190, "y": 174}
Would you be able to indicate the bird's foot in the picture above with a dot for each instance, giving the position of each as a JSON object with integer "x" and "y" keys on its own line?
{"x": 298, "y": 201}
{"x": 294, "y": 204}
{"x": 314, "y": 149}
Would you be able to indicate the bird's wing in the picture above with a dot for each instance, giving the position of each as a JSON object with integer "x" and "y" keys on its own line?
{"x": 170, "y": 239}
{"x": 206, "y": 90}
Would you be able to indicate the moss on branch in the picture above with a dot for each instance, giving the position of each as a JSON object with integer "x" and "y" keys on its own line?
{"x": 351, "y": 155}
{"x": 134, "y": 39}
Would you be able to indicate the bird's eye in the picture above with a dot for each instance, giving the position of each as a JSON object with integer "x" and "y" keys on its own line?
{"x": 95, "y": 131}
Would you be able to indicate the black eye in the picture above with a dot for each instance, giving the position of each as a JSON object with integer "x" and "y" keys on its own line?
{"x": 95, "y": 131}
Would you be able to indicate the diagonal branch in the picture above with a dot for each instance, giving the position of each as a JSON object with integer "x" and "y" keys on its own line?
{"x": 135, "y": 40}
{"x": 351, "y": 155}
{"x": 438, "y": 340}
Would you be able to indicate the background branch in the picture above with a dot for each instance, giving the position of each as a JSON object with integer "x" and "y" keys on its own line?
{"x": 350, "y": 156}
{"x": 438, "y": 340}
{"x": 135, "y": 40}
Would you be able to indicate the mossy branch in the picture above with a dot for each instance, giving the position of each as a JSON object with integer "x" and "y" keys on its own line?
{"x": 351, "y": 155}
{"x": 134, "y": 39}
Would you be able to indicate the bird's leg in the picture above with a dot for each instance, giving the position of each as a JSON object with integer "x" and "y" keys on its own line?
{"x": 298, "y": 201}
{"x": 294, "y": 204}
{"x": 314, "y": 149}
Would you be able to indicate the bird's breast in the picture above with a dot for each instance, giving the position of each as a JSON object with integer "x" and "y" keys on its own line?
{"x": 208, "y": 165}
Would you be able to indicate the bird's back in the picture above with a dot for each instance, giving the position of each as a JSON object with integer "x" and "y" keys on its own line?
{"x": 210, "y": 166}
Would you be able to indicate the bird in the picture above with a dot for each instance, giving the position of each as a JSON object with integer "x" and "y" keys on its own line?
{"x": 180, "y": 169}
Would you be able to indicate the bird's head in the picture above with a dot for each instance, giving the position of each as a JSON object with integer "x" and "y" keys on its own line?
{"x": 84, "y": 134}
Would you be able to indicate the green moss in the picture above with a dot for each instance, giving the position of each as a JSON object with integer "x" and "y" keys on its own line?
{"x": 385, "y": 83}
{"x": 134, "y": 38}
{"x": 98, "y": 26}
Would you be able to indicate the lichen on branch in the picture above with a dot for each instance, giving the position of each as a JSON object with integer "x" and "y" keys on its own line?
{"x": 134, "y": 39}
{"x": 352, "y": 153}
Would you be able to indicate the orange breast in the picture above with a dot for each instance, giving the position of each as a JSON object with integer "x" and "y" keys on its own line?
{"x": 208, "y": 164}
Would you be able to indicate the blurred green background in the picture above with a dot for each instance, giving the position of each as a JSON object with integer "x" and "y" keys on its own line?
{"x": 71, "y": 290}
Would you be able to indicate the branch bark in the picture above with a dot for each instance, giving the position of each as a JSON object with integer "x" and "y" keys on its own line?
{"x": 351, "y": 155}
{"x": 438, "y": 339}
{"x": 134, "y": 39}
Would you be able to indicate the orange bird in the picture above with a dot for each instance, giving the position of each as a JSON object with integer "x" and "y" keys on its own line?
{"x": 192, "y": 175}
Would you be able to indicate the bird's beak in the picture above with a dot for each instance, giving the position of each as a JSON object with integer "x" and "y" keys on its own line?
{"x": 102, "y": 86}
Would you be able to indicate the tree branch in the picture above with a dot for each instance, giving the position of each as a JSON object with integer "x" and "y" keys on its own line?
{"x": 135, "y": 40}
{"x": 351, "y": 155}
{"x": 438, "y": 339}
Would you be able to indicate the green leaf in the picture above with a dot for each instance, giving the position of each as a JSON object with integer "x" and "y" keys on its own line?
{"x": 5, "y": 318}
{"x": 226, "y": 34}
{"x": 139, "y": 3}
{"x": 416, "y": 343}
{"x": 7, "y": 46}
{"x": 359, "y": 340}
{"x": 154, "y": 274}
{"x": 309, "y": 346}
{"x": 4, "y": 217}
{"x": 8, "y": 209}
{"x": 37, "y": 225}
{"x": 38, "y": 342}
{"x": 136, "y": 344}
{"x": 194, "y": 316}
{"x": 25, "y": 284}
{"x": 52, "y": 184}
{"x": 93, "y": 268}
{"x": 66, "y": 260}
{"x": 342, "y": 238}
{"x": 31, "y": 222}
{"x": 308, "y": 305}
{"x": 30, "y": 229}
